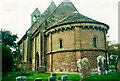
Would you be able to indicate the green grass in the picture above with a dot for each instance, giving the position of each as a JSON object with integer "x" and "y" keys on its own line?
{"x": 33, "y": 75}
{"x": 113, "y": 76}
{"x": 70, "y": 76}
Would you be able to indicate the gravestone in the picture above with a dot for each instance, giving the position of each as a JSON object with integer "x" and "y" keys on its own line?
{"x": 114, "y": 61}
{"x": 21, "y": 78}
{"x": 79, "y": 62}
{"x": 102, "y": 66}
{"x": 51, "y": 78}
{"x": 53, "y": 75}
{"x": 64, "y": 78}
{"x": 38, "y": 79}
{"x": 83, "y": 67}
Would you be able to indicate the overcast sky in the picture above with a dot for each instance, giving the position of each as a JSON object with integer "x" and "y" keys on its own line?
{"x": 15, "y": 14}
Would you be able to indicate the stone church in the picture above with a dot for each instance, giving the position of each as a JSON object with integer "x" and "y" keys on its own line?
{"x": 59, "y": 37}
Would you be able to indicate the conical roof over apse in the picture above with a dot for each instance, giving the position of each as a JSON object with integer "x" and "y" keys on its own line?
{"x": 66, "y": 13}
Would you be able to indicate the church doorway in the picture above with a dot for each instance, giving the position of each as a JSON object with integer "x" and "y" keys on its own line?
{"x": 36, "y": 61}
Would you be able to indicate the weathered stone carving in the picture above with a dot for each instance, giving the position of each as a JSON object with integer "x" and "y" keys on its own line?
{"x": 101, "y": 63}
{"x": 114, "y": 61}
{"x": 83, "y": 67}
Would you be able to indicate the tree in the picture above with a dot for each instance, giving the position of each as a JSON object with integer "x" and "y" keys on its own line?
{"x": 113, "y": 49}
{"x": 8, "y": 41}
{"x": 8, "y": 38}
{"x": 7, "y": 59}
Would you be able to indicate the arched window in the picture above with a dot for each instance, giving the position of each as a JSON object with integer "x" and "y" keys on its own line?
{"x": 95, "y": 41}
{"x": 60, "y": 43}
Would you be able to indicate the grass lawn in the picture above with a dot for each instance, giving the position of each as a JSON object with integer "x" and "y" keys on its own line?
{"x": 114, "y": 76}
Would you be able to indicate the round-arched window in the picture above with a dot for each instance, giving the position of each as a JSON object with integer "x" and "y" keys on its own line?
{"x": 95, "y": 41}
{"x": 60, "y": 43}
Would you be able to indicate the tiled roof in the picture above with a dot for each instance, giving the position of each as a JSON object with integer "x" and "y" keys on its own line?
{"x": 76, "y": 17}
{"x": 64, "y": 10}
{"x": 66, "y": 13}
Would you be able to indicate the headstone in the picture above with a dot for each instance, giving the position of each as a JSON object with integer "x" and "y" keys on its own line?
{"x": 79, "y": 62}
{"x": 102, "y": 66}
{"x": 53, "y": 75}
{"x": 83, "y": 67}
{"x": 21, "y": 78}
{"x": 64, "y": 78}
{"x": 38, "y": 79}
{"x": 114, "y": 61}
{"x": 51, "y": 79}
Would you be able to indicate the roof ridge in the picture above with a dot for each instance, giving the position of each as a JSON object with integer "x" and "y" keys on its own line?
{"x": 48, "y": 7}
{"x": 60, "y": 5}
{"x": 66, "y": 4}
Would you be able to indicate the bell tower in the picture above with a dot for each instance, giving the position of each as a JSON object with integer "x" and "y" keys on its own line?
{"x": 35, "y": 15}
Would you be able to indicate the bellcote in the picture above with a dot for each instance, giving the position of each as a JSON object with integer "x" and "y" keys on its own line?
{"x": 35, "y": 15}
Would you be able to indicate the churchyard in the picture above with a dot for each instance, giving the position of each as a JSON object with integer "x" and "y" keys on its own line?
{"x": 84, "y": 73}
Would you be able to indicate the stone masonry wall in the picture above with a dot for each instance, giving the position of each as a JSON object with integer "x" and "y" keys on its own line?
{"x": 36, "y": 51}
{"x": 75, "y": 38}
{"x": 92, "y": 57}
{"x": 77, "y": 42}
{"x": 67, "y": 61}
